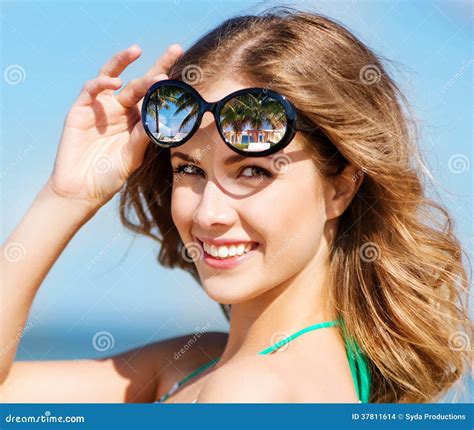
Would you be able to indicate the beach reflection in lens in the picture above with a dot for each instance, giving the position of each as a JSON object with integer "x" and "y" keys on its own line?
{"x": 253, "y": 122}
{"x": 171, "y": 113}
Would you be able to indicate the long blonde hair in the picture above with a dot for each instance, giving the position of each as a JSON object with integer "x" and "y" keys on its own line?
{"x": 397, "y": 267}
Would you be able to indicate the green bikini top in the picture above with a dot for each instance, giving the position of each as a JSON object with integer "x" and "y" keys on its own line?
{"x": 357, "y": 361}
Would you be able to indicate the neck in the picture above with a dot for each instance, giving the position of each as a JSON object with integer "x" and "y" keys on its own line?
{"x": 281, "y": 311}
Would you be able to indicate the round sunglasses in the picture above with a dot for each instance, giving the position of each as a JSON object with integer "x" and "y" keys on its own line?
{"x": 253, "y": 122}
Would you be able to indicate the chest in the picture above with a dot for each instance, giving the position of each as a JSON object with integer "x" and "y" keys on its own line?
{"x": 187, "y": 392}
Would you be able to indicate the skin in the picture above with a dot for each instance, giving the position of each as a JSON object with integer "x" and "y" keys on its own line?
{"x": 105, "y": 125}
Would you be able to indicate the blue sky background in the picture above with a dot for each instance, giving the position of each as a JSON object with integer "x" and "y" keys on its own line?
{"x": 108, "y": 280}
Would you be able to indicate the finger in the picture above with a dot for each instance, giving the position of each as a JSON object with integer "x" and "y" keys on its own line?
{"x": 95, "y": 86}
{"x": 166, "y": 60}
{"x": 119, "y": 62}
{"x": 136, "y": 90}
{"x": 134, "y": 150}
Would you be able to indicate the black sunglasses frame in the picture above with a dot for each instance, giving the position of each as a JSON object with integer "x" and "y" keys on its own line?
{"x": 293, "y": 124}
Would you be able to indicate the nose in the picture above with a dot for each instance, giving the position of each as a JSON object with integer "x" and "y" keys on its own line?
{"x": 215, "y": 208}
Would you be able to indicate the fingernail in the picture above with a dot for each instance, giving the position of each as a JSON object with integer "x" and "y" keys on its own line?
{"x": 176, "y": 46}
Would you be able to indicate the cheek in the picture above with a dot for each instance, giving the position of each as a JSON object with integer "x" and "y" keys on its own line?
{"x": 182, "y": 210}
{"x": 292, "y": 225}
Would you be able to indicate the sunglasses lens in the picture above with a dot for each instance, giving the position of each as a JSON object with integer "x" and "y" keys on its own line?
{"x": 253, "y": 122}
{"x": 171, "y": 113}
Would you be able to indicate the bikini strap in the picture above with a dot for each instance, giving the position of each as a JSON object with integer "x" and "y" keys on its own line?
{"x": 359, "y": 366}
{"x": 357, "y": 361}
{"x": 288, "y": 339}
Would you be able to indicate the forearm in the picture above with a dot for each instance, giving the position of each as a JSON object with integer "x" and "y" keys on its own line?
{"x": 26, "y": 258}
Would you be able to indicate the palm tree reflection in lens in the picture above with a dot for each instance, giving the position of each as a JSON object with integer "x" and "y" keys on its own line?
{"x": 258, "y": 117}
{"x": 169, "y": 102}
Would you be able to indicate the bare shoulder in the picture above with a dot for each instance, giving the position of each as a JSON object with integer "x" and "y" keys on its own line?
{"x": 250, "y": 380}
{"x": 305, "y": 373}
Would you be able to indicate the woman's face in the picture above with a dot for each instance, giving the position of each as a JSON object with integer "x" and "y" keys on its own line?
{"x": 280, "y": 218}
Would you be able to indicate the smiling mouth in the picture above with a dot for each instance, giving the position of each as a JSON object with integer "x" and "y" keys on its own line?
{"x": 228, "y": 252}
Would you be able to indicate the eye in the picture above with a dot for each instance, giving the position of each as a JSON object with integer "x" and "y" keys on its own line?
{"x": 185, "y": 169}
{"x": 255, "y": 171}
{"x": 249, "y": 172}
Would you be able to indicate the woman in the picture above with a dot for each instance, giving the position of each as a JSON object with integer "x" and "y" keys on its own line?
{"x": 350, "y": 281}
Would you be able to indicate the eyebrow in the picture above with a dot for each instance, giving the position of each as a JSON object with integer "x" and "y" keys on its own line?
{"x": 229, "y": 160}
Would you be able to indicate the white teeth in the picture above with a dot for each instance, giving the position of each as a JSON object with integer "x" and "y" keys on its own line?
{"x": 227, "y": 251}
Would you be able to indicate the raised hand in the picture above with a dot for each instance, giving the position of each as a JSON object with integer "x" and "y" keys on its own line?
{"x": 103, "y": 140}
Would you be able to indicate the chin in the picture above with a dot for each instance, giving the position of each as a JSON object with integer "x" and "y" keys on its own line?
{"x": 231, "y": 291}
